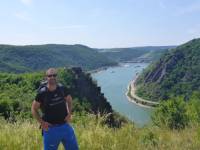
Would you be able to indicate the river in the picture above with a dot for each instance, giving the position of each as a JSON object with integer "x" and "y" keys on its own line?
{"x": 113, "y": 82}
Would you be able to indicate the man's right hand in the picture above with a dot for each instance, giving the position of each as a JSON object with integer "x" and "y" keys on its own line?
{"x": 44, "y": 125}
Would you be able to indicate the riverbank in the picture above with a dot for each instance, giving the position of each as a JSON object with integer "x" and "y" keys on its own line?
{"x": 107, "y": 67}
{"x": 138, "y": 100}
{"x": 102, "y": 68}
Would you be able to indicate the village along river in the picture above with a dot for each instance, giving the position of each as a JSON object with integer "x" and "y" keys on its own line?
{"x": 114, "y": 81}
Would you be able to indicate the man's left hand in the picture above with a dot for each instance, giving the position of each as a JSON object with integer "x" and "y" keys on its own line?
{"x": 68, "y": 118}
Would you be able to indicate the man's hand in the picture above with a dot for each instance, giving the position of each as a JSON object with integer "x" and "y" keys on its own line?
{"x": 44, "y": 125}
{"x": 68, "y": 99}
{"x": 68, "y": 118}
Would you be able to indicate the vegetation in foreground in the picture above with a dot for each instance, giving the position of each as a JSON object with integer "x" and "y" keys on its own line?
{"x": 175, "y": 126}
{"x": 93, "y": 135}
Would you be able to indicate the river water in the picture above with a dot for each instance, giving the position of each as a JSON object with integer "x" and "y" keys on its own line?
{"x": 113, "y": 82}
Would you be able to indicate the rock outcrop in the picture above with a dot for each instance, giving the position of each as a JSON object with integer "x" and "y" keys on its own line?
{"x": 176, "y": 73}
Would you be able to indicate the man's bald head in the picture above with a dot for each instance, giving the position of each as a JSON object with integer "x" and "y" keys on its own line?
{"x": 51, "y": 74}
{"x": 51, "y": 71}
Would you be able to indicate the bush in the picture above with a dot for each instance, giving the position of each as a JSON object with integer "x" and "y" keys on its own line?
{"x": 149, "y": 138}
{"x": 171, "y": 113}
{"x": 193, "y": 109}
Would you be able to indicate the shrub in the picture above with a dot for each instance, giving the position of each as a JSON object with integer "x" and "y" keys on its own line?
{"x": 171, "y": 113}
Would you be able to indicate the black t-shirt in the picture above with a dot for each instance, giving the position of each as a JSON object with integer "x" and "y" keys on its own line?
{"x": 53, "y": 104}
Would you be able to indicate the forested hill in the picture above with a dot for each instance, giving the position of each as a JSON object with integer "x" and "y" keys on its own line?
{"x": 39, "y": 57}
{"x": 176, "y": 73}
{"x": 30, "y": 58}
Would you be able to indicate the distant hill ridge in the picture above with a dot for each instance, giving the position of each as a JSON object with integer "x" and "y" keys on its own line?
{"x": 38, "y": 57}
{"x": 29, "y": 58}
{"x": 135, "y": 54}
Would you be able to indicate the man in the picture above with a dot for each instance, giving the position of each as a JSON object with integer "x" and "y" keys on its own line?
{"x": 56, "y": 105}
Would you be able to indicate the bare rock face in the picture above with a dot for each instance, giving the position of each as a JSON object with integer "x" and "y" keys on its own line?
{"x": 162, "y": 69}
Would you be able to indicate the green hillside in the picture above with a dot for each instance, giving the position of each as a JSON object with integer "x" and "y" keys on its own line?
{"x": 30, "y": 58}
{"x": 177, "y": 73}
{"x": 39, "y": 57}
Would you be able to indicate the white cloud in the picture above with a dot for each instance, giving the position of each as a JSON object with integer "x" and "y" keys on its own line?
{"x": 23, "y": 16}
{"x": 26, "y": 2}
{"x": 66, "y": 27}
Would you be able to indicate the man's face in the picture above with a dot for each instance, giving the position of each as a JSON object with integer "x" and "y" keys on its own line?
{"x": 51, "y": 76}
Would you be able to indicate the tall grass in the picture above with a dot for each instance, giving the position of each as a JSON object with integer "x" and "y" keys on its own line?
{"x": 92, "y": 135}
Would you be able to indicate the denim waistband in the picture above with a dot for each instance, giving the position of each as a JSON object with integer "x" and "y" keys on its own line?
{"x": 56, "y": 125}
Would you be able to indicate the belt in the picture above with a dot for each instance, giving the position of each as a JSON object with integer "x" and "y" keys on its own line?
{"x": 56, "y": 125}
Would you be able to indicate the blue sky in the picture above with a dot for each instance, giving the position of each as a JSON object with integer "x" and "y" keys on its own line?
{"x": 99, "y": 23}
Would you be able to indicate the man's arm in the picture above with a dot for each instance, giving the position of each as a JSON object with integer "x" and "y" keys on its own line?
{"x": 34, "y": 109}
{"x": 68, "y": 100}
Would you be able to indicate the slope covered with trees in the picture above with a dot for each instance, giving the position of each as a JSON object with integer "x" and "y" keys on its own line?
{"x": 30, "y": 58}
{"x": 38, "y": 57}
{"x": 177, "y": 73}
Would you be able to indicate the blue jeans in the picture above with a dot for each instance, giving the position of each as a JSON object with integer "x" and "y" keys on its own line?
{"x": 62, "y": 133}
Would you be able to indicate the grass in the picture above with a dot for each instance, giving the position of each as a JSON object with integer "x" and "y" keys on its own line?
{"x": 92, "y": 135}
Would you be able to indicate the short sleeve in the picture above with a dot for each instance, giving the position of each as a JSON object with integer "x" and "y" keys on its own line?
{"x": 39, "y": 97}
{"x": 66, "y": 91}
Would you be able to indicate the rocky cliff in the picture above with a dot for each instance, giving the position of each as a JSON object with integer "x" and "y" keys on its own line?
{"x": 176, "y": 73}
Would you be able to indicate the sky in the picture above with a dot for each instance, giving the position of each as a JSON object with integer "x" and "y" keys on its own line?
{"x": 99, "y": 23}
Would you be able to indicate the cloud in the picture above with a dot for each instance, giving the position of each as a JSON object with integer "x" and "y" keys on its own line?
{"x": 26, "y": 2}
{"x": 66, "y": 27}
{"x": 23, "y": 16}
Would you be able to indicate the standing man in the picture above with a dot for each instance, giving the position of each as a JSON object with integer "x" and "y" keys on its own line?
{"x": 56, "y": 105}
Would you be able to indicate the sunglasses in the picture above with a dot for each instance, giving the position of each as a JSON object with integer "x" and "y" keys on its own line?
{"x": 51, "y": 75}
